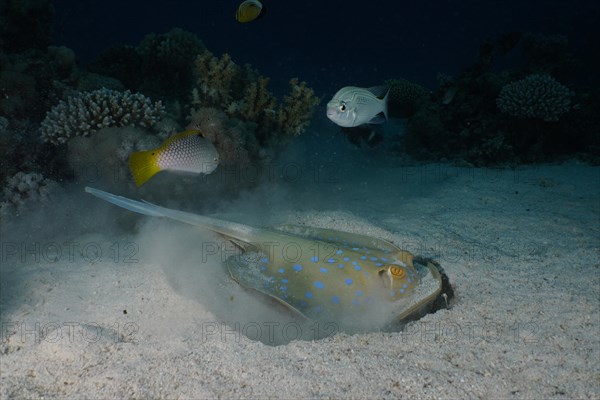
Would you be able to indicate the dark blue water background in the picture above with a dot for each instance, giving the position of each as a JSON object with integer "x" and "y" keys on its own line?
{"x": 333, "y": 43}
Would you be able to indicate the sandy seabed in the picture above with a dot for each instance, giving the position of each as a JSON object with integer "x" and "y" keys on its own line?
{"x": 112, "y": 313}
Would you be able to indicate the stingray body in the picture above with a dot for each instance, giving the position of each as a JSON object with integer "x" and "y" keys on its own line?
{"x": 322, "y": 274}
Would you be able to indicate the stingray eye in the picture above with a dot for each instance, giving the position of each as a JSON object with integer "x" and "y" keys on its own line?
{"x": 342, "y": 107}
{"x": 397, "y": 272}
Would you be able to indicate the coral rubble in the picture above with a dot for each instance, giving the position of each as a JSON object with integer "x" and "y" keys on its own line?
{"x": 22, "y": 189}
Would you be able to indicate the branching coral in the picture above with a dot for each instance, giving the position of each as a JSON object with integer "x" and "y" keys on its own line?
{"x": 219, "y": 79}
{"x": 294, "y": 114}
{"x": 242, "y": 93}
{"x": 536, "y": 96}
{"x": 85, "y": 113}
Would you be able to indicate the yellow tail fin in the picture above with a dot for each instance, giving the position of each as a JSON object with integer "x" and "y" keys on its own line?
{"x": 143, "y": 166}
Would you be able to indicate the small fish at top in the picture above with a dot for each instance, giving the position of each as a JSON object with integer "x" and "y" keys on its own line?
{"x": 250, "y": 10}
{"x": 353, "y": 106}
{"x": 186, "y": 151}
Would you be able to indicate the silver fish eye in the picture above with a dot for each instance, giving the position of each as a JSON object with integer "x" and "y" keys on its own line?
{"x": 342, "y": 107}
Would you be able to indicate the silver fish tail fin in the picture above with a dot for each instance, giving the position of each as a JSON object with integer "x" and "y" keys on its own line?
{"x": 230, "y": 229}
{"x": 382, "y": 93}
{"x": 385, "y": 104}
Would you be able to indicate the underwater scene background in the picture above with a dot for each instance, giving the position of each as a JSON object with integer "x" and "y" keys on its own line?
{"x": 482, "y": 156}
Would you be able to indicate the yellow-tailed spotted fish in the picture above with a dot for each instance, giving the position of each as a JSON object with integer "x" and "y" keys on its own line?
{"x": 353, "y": 106}
{"x": 186, "y": 151}
{"x": 321, "y": 274}
{"x": 250, "y": 10}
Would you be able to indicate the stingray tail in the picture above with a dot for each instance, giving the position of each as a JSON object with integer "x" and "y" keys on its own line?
{"x": 230, "y": 229}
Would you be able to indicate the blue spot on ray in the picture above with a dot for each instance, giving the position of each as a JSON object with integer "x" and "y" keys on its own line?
{"x": 348, "y": 281}
{"x": 335, "y": 299}
{"x": 262, "y": 267}
{"x": 281, "y": 270}
{"x": 373, "y": 258}
{"x": 284, "y": 280}
{"x": 265, "y": 260}
{"x": 323, "y": 269}
{"x": 357, "y": 267}
{"x": 298, "y": 267}
{"x": 319, "y": 285}
{"x": 340, "y": 265}
{"x": 308, "y": 295}
{"x": 363, "y": 257}
{"x": 283, "y": 288}
{"x": 314, "y": 259}
{"x": 346, "y": 259}
{"x": 339, "y": 252}
{"x": 358, "y": 293}
{"x": 330, "y": 260}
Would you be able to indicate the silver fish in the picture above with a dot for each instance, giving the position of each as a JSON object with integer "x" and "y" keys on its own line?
{"x": 320, "y": 274}
{"x": 353, "y": 106}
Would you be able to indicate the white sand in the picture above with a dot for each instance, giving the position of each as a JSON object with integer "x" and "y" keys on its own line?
{"x": 520, "y": 247}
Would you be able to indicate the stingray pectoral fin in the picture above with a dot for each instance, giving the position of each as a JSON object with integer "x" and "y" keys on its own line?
{"x": 339, "y": 237}
{"x": 425, "y": 294}
{"x": 247, "y": 270}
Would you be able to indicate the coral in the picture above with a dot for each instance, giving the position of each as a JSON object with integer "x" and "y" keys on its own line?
{"x": 174, "y": 48}
{"x": 167, "y": 61}
{"x": 233, "y": 138}
{"x": 293, "y": 116}
{"x": 242, "y": 93}
{"x": 86, "y": 112}
{"x": 30, "y": 82}
{"x": 22, "y": 189}
{"x": 220, "y": 81}
{"x": 536, "y": 96}
{"x": 20, "y": 149}
{"x": 405, "y": 97}
{"x": 161, "y": 65}
{"x": 17, "y": 90}
{"x": 102, "y": 157}
{"x": 548, "y": 54}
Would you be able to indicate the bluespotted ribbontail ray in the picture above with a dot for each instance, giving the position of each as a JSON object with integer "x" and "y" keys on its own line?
{"x": 321, "y": 274}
